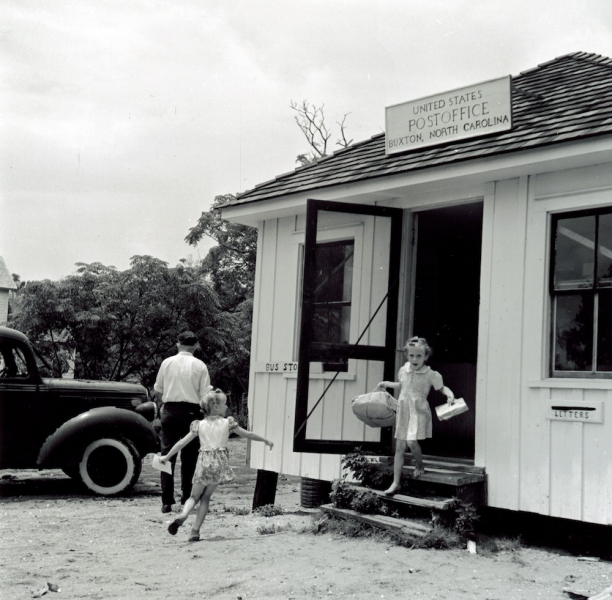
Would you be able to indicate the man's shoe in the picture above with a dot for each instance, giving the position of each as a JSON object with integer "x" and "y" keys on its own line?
{"x": 166, "y": 508}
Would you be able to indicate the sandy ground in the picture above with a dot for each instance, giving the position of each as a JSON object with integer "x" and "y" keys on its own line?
{"x": 119, "y": 549}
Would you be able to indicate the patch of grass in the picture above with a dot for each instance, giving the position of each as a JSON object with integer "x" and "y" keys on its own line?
{"x": 236, "y": 510}
{"x": 488, "y": 546}
{"x": 345, "y": 527}
{"x": 269, "y": 510}
{"x": 273, "y": 528}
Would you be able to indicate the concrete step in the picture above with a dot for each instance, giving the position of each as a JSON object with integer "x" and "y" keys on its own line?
{"x": 410, "y": 526}
{"x": 403, "y": 499}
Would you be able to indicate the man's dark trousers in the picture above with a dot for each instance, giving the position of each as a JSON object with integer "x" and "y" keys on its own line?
{"x": 176, "y": 417}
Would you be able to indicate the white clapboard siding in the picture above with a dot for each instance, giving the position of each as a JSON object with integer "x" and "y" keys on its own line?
{"x": 502, "y": 364}
{"x": 4, "y": 304}
{"x": 276, "y": 311}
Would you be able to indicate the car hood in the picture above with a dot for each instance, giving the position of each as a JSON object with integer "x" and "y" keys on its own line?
{"x": 87, "y": 385}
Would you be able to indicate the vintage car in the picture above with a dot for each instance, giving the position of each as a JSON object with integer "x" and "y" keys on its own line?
{"x": 97, "y": 432}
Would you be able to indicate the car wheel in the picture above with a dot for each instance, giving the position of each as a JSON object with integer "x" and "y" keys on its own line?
{"x": 110, "y": 466}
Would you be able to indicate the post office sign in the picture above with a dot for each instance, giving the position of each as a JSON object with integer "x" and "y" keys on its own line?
{"x": 468, "y": 112}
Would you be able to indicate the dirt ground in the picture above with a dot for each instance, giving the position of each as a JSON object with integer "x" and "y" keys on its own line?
{"x": 97, "y": 548}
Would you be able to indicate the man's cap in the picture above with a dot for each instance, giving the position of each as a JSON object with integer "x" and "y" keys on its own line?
{"x": 187, "y": 338}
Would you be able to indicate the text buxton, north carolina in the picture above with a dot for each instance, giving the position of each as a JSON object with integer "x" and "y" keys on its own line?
{"x": 454, "y": 115}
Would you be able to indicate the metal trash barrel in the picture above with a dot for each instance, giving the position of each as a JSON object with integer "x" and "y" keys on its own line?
{"x": 314, "y": 492}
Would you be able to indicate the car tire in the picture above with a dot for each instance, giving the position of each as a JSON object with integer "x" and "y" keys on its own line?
{"x": 110, "y": 466}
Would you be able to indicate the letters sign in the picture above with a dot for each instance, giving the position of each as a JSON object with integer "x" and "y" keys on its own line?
{"x": 577, "y": 411}
{"x": 460, "y": 114}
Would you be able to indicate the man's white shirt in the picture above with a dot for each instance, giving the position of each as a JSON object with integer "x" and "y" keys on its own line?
{"x": 183, "y": 378}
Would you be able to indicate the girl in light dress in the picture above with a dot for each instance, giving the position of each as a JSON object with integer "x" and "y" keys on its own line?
{"x": 413, "y": 419}
{"x": 213, "y": 466}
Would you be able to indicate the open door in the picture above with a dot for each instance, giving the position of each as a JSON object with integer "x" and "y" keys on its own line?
{"x": 348, "y": 323}
{"x": 446, "y": 304}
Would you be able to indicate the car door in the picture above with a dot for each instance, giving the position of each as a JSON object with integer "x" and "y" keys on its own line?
{"x": 22, "y": 423}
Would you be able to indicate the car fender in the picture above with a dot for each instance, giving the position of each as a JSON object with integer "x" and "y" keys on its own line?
{"x": 108, "y": 421}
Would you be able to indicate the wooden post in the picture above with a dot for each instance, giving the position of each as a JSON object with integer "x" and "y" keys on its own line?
{"x": 265, "y": 488}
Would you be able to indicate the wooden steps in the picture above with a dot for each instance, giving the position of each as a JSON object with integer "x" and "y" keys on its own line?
{"x": 431, "y": 502}
{"x": 410, "y": 526}
{"x": 445, "y": 483}
{"x": 438, "y": 462}
{"x": 444, "y": 476}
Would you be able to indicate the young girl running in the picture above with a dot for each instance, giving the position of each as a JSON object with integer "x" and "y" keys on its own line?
{"x": 213, "y": 465}
{"x": 413, "y": 420}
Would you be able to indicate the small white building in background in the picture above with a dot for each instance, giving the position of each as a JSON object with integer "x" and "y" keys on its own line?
{"x": 481, "y": 220}
{"x": 7, "y": 285}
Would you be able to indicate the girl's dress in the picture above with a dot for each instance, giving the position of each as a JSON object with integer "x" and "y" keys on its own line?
{"x": 413, "y": 421}
{"x": 213, "y": 460}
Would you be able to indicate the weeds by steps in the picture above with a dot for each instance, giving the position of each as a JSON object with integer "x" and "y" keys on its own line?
{"x": 368, "y": 471}
{"x": 363, "y": 501}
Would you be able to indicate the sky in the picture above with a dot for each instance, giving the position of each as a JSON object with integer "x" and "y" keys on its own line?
{"x": 121, "y": 121}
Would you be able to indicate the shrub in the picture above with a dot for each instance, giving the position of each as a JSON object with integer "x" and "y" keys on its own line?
{"x": 370, "y": 473}
{"x": 363, "y": 501}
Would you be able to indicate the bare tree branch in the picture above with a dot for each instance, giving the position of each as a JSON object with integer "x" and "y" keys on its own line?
{"x": 343, "y": 141}
{"x": 311, "y": 121}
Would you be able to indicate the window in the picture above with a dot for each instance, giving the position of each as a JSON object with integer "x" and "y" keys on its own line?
{"x": 581, "y": 290}
{"x": 332, "y": 297}
{"x": 12, "y": 361}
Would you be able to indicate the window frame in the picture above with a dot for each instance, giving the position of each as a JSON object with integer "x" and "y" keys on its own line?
{"x": 592, "y": 291}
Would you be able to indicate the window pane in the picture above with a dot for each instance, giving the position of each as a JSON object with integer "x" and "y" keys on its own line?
{"x": 574, "y": 253}
{"x": 604, "y": 257}
{"x": 12, "y": 362}
{"x": 334, "y": 272}
{"x": 604, "y": 333}
{"x": 574, "y": 332}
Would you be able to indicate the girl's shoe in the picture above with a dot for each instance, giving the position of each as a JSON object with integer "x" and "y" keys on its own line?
{"x": 194, "y": 536}
{"x": 174, "y": 526}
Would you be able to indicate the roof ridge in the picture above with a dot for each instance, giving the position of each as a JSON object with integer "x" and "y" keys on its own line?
{"x": 589, "y": 57}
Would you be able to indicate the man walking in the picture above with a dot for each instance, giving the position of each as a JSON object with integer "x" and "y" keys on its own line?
{"x": 181, "y": 382}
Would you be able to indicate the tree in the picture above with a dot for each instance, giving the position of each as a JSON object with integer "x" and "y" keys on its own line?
{"x": 230, "y": 266}
{"x": 311, "y": 121}
{"x": 106, "y": 324}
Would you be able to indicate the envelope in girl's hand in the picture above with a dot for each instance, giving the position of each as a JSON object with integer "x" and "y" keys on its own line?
{"x": 165, "y": 467}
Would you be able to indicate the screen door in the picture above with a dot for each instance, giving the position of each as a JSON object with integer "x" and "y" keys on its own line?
{"x": 348, "y": 323}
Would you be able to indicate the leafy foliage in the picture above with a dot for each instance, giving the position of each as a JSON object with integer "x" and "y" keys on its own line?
{"x": 370, "y": 473}
{"x": 466, "y": 515}
{"x": 101, "y": 323}
{"x": 106, "y": 324}
{"x": 363, "y": 501}
{"x": 230, "y": 266}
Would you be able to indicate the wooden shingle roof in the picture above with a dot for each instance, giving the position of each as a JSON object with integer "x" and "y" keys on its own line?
{"x": 565, "y": 99}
